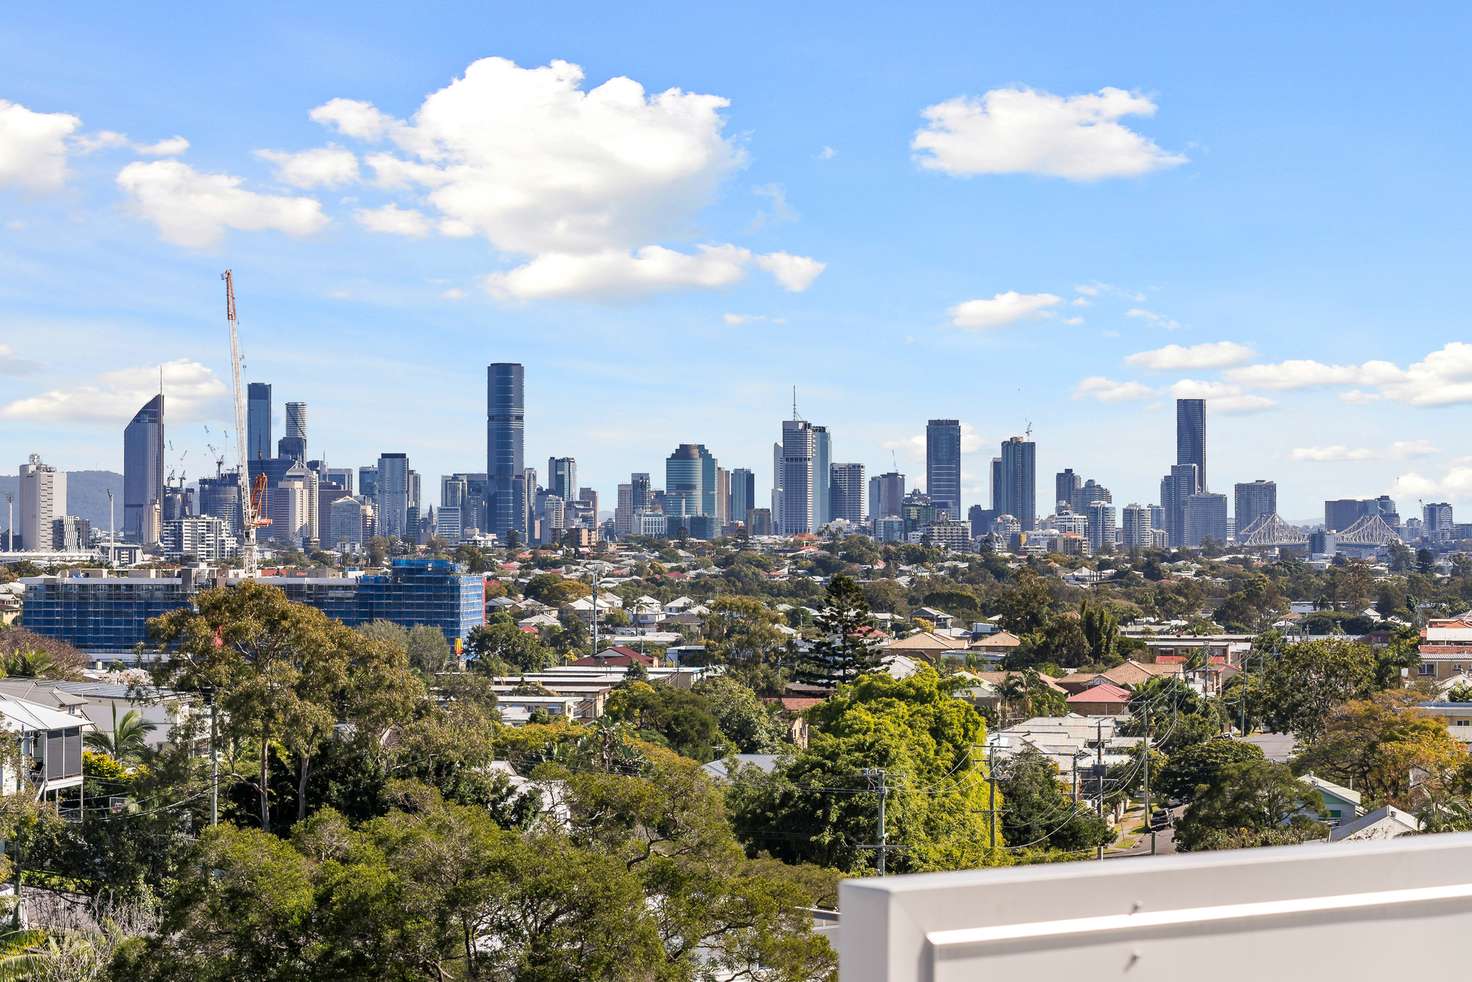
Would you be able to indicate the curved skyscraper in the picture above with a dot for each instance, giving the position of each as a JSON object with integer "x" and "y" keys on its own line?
{"x": 505, "y": 464}
{"x": 143, "y": 469}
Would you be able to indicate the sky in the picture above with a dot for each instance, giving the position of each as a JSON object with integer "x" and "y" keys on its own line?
{"x": 1061, "y": 216}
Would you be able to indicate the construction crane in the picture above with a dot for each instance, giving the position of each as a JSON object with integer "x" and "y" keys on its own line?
{"x": 248, "y": 501}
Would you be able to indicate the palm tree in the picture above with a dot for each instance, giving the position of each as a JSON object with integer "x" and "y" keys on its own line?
{"x": 18, "y": 959}
{"x": 29, "y": 664}
{"x": 128, "y": 741}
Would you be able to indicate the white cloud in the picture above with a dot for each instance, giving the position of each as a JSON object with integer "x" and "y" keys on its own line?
{"x": 191, "y": 391}
{"x": 393, "y": 220}
{"x": 535, "y": 163}
{"x": 1159, "y": 320}
{"x": 1024, "y": 131}
{"x": 737, "y": 320}
{"x": 170, "y": 147}
{"x": 1108, "y": 390}
{"x": 1442, "y": 378}
{"x": 354, "y": 118}
{"x": 614, "y": 274}
{"x": 193, "y": 209}
{"x": 453, "y": 293}
{"x": 1001, "y": 309}
{"x": 827, "y": 153}
{"x": 1073, "y": 321}
{"x": 1221, "y": 397}
{"x": 12, "y": 365}
{"x": 33, "y": 147}
{"x": 793, "y": 273}
{"x": 1455, "y": 484}
{"x": 1331, "y": 454}
{"x": 111, "y": 140}
{"x": 1413, "y": 448}
{"x": 324, "y": 167}
{"x": 777, "y": 210}
{"x": 1175, "y": 357}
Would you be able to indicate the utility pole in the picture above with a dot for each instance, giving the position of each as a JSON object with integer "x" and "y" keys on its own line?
{"x": 10, "y": 521}
{"x": 1148, "y": 822}
{"x": 1099, "y": 776}
{"x": 991, "y": 780}
{"x": 878, "y": 779}
{"x": 112, "y": 549}
{"x": 209, "y": 698}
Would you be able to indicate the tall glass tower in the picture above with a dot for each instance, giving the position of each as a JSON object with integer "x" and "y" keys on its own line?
{"x": 143, "y": 467}
{"x": 1191, "y": 436}
{"x": 943, "y": 465}
{"x": 258, "y": 421}
{"x": 1019, "y": 481}
{"x": 506, "y": 491}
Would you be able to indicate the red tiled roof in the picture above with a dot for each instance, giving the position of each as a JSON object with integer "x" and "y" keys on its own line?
{"x": 1103, "y": 692}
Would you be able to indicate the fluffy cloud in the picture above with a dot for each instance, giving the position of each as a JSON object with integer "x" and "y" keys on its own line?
{"x": 111, "y": 140}
{"x": 12, "y": 365}
{"x": 193, "y": 209}
{"x": 1024, "y": 131}
{"x": 322, "y": 167}
{"x": 33, "y": 147}
{"x": 1413, "y": 448}
{"x": 1001, "y": 309}
{"x": 1150, "y": 316}
{"x": 1222, "y": 396}
{"x": 1175, "y": 357}
{"x": 393, "y": 220}
{"x": 1442, "y": 378}
{"x": 1331, "y": 454}
{"x": 1108, "y": 390}
{"x": 535, "y": 163}
{"x": 1455, "y": 484}
{"x": 793, "y": 273}
{"x": 192, "y": 391}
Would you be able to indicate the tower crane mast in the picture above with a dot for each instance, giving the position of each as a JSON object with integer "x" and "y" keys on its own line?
{"x": 247, "y": 502}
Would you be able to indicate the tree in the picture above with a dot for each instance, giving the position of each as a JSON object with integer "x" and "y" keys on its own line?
{"x": 27, "y": 654}
{"x": 748, "y": 724}
{"x": 677, "y": 718}
{"x": 1307, "y": 680}
{"x": 1375, "y": 746}
{"x": 1179, "y": 716}
{"x": 496, "y": 645}
{"x": 127, "y": 742}
{"x": 1026, "y": 603}
{"x": 1039, "y": 813}
{"x": 1101, "y": 629}
{"x": 1254, "y": 803}
{"x": 1202, "y": 765}
{"x": 820, "y": 805}
{"x": 554, "y": 590}
{"x": 741, "y": 631}
{"x": 846, "y": 648}
{"x": 1253, "y": 605}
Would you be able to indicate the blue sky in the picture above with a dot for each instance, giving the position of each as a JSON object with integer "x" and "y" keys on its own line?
{"x": 1106, "y": 208}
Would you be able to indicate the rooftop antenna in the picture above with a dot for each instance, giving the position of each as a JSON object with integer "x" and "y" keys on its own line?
{"x": 795, "y": 416}
{"x": 1028, "y": 431}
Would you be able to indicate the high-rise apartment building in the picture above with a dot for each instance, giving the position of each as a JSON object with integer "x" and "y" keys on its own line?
{"x": 623, "y": 511}
{"x": 258, "y": 420}
{"x": 847, "y": 491}
{"x": 1205, "y": 519}
{"x": 1019, "y": 481}
{"x": 341, "y": 476}
{"x": 1341, "y": 513}
{"x": 507, "y": 496}
{"x": 1088, "y": 493}
{"x": 293, "y": 446}
{"x": 1136, "y": 531}
{"x": 1191, "y": 436}
{"x": 1253, "y": 501}
{"x": 798, "y": 449}
{"x": 1065, "y": 485}
{"x": 393, "y": 496}
{"x": 143, "y": 472}
{"x": 886, "y": 494}
{"x": 1100, "y": 525}
{"x": 1436, "y": 519}
{"x": 822, "y": 476}
{"x": 943, "y": 465}
{"x": 642, "y": 491}
{"x": 220, "y": 496}
{"x": 723, "y": 496}
{"x": 42, "y": 503}
{"x": 994, "y": 482}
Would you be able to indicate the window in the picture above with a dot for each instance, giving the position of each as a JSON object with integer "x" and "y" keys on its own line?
{"x": 1463, "y": 722}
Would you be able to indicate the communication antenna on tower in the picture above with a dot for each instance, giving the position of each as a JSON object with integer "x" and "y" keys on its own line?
{"x": 795, "y": 416}
{"x": 1028, "y": 431}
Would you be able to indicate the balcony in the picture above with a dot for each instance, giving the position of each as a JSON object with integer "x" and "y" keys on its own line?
{"x": 1389, "y": 909}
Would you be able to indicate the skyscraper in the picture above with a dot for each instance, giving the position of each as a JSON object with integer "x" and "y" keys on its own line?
{"x": 1101, "y": 525}
{"x": 562, "y": 477}
{"x": 506, "y": 495}
{"x": 368, "y": 481}
{"x": 42, "y": 503}
{"x": 293, "y": 445}
{"x": 393, "y": 496}
{"x": 1253, "y": 501}
{"x": 1205, "y": 519}
{"x": 943, "y": 465}
{"x": 798, "y": 448}
{"x": 1341, "y": 513}
{"x": 683, "y": 480}
{"x": 743, "y": 494}
{"x": 1437, "y": 522}
{"x": 641, "y": 491}
{"x": 723, "y": 496}
{"x": 822, "y": 476}
{"x": 887, "y": 494}
{"x": 143, "y": 471}
{"x": 1177, "y": 486}
{"x": 1065, "y": 485}
{"x": 1191, "y": 436}
{"x": 847, "y": 491}
{"x": 258, "y": 420}
{"x": 1019, "y": 481}
{"x": 996, "y": 485}
{"x": 708, "y": 486}
{"x": 1136, "y": 531}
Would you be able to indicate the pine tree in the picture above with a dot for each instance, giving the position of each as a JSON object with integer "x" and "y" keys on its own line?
{"x": 847, "y": 648}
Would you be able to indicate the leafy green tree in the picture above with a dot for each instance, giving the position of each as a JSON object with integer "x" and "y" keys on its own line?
{"x": 677, "y": 718}
{"x": 496, "y": 645}
{"x": 819, "y": 806}
{"x": 1179, "y": 716}
{"x": 1375, "y": 746}
{"x": 1202, "y": 764}
{"x": 1254, "y": 803}
{"x": 1039, "y": 813}
{"x": 554, "y": 590}
{"x": 1026, "y": 603}
{"x": 846, "y": 648}
{"x": 748, "y": 724}
{"x": 26, "y": 654}
{"x": 1101, "y": 629}
{"x": 1308, "y": 679}
{"x": 741, "y": 631}
{"x": 127, "y": 741}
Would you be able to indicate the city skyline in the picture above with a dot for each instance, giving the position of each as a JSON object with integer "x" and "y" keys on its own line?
{"x": 1319, "y": 344}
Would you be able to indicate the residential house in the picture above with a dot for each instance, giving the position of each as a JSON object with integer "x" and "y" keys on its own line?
{"x": 1100, "y": 699}
{"x": 1446, "y": 648}
{"x": 50, "y": 748}
{"x": 1341, "y": 804}
{"x": 1387, "y": 822}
